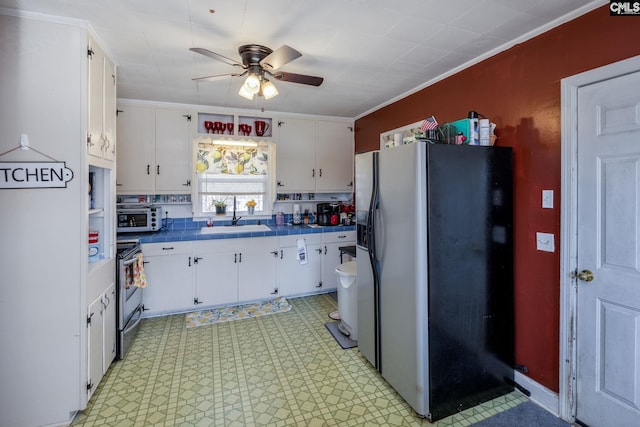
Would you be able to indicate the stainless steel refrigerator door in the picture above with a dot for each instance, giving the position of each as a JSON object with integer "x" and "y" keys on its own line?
{"x": 402, "y": 243}
{"x": 364, "y": 276}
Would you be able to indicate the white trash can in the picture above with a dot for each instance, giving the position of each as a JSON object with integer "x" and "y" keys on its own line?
{"x": 348, "y": 299}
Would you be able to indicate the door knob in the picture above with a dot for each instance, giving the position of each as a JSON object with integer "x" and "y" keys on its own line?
{"x": 585, "y": 275}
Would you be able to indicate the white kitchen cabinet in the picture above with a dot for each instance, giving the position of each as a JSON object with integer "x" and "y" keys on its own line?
{"x": 173, "y": 151}
{"x": 101, "y": 330}
{"x": 136, "y": 149}
{"x": 154, "y": 152}
{"x": 168, "y": 268}
{"x": 331, "y": 242}
{"x": 235, "y": 270}
{"x": 295, "y": 278}
{"x": 101, "y": 81}
{"x": 216, "y": 273}
{"x": 314, "y": 156}
{"x": 110, "y": 326}
{"x": 94, "y": 343}
{"x": 47, "y": 369}
{"x": 257, "y": 269}
{"x": 295, "y": 156}
{"x": 334, "y": 157}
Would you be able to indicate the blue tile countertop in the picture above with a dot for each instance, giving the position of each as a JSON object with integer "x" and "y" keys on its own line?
{"x": 185, "y": 229}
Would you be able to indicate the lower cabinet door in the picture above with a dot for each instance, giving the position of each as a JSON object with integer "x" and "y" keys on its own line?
{"x": 169, "y": 284}
{"x": 295, "y": 278}
{"x": 216, "y": 277}
{"x": 95, "y": 344}
{"x": 109, "y": 318}
{"x": 257, "y": 272}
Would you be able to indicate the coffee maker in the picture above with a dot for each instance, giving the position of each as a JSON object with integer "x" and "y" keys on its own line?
{"x": 327, "y": 213}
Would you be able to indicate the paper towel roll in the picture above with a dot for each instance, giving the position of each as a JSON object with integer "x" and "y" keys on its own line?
{"x": 485, "y": 128}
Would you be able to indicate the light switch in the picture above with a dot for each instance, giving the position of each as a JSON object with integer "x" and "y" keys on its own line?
{"x": 547, "y": 199}
{"x": 545, "y": 242}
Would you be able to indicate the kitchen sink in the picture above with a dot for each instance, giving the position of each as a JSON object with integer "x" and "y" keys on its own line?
{"x": 229, "y": 229}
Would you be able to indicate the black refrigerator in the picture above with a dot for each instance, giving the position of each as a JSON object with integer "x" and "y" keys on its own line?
{"x": 435, "y": 272}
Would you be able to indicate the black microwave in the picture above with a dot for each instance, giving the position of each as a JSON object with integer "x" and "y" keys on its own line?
{"x": 138, "y": 219}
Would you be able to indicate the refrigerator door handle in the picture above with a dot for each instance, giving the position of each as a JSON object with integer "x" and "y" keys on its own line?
{"x": 373, "y": 257}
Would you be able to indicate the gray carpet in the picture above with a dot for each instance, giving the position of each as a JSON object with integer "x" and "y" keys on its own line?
{"x": 526, "y": 414}
{"x": 344, "y": 341}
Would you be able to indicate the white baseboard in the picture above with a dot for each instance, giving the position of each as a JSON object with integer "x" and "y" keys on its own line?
{"x": 539, "y": 393}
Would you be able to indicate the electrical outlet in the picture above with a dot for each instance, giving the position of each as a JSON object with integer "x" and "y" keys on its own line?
{"x": 545, "y": 242}
{"x": 547, "y": 199}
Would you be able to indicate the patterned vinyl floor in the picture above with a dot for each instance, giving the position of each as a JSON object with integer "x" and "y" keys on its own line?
{"x": 279, "y": 370}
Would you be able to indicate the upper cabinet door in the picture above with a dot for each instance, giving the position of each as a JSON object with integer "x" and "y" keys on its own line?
{"x": 173, "y": 151}
{"x": 334, "y": 157}
{"x": 136, "y": 150}
{"x": 109, "y": 109}
{"x": 295, "y": 156}
{"x": 95, "y": 136}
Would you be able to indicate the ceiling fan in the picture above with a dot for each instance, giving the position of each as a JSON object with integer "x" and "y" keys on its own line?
{"x": 258, "y": 63}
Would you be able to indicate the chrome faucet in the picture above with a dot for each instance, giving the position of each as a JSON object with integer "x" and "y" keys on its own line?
{"x": 234, "y": 220}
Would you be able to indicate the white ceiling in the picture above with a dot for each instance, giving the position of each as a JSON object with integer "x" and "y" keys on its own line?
{"x": 369, "y": 52}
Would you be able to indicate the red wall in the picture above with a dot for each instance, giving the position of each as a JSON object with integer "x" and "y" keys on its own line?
{"x": 519, "y": 90}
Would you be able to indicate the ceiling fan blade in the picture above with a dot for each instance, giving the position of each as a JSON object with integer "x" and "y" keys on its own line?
{"x": 217, "y": 56}
{"x": 298, "y": 78}
{"x": 216, "y": 77}
{"x": 279, "y": 57}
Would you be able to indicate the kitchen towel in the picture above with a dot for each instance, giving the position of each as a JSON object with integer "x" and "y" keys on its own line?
{"x": 302, "y": 251}
{"x": 139, "y": 278}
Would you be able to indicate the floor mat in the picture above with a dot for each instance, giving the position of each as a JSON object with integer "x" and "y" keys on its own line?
{"x": 344, "y": 341}
{"x": 227, "y": 314}
{"x": 527, "y": 414}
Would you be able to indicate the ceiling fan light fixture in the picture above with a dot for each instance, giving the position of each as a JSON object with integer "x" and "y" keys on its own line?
{"x": 252, "y": 83}
{"x": 245, "y": 93}
{"x": 268, "y": 89}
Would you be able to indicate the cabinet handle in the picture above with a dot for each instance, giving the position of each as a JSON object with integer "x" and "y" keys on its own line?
{"x": 148, "y": 169}
{"x": 275, "y": 291}
{"x": 319, "y": 285}
{"x": 275, "y": 253}
{"x": 235, "y": 258}
{"x": 281, "y": 254}
{"x": 158, "y": 170}
{"x": 170, "y": 248}
{"x": 319, "y": 250}
{"x": 313, "y": 173}
{"x": 196, "y": 301}
{"x": 240, "y": 257}
{"x": 320, "y": 172}
{"x": 89, "y": 143}
{"x": 187, "y": 184}
{"x": 325, "y": 250}
{"x": 279, "y": 184}
{"x": 342, "y": 237}
{"x": 196, "y": 259}
{"x": 350, "y": 184}
{"x": 189, "y": 265}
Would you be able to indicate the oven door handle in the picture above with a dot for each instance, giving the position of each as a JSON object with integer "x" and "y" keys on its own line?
{"x": 130, "y": 327}
{"x": 131, "y": 261}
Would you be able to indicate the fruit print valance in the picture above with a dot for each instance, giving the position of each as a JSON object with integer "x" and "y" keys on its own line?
{"x": 232, "y": 159}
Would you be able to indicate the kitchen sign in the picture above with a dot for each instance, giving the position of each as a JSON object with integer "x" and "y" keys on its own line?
{"x": 34, "y": 175}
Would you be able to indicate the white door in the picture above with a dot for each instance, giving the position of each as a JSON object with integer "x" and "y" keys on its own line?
{"x": 608, "y": 247}
{"x": 173, "y": 151}
{"x": 334, "y": 157}
{"x": 258, "y": 259}
{"x": 295, "y": 150}
{"x": 135, "y": 156}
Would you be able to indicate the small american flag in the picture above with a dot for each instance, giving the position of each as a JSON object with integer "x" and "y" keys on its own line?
{"x": 429, "y": 123}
